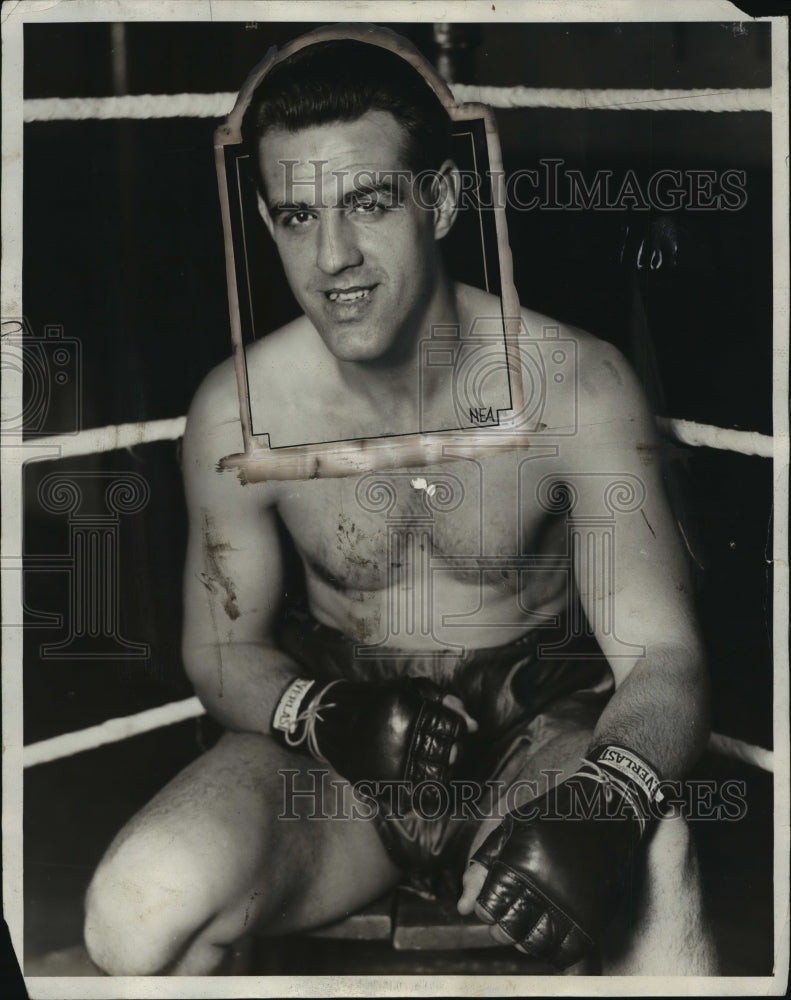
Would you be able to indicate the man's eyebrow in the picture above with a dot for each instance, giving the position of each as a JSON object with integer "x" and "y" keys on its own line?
{"x": 385, "y": 186}
{"x": 280, "y": 207}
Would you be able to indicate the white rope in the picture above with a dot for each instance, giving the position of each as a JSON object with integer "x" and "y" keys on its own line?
{"x": 128, "y": 435}
{"x": 729, "y": 746}
{"x": 724, "y": 438}
{"x": 218, "y": 105}
{"x": 98, "y": 439}
{"x": 101, "y": 439}
{"x": 115, "y": 730}
{"x": 111, "y": 731}
{"x": 50, "y": 109}
{"x": 753, "y": 99}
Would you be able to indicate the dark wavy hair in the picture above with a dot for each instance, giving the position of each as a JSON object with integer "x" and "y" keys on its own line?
{"x": 339, "y": 81}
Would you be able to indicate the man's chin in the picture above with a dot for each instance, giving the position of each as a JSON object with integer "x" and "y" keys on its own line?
{"x": 361, "y": 354}
{"x": 346, "y": 346}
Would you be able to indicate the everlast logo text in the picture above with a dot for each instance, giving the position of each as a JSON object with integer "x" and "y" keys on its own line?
{"x": 285, "y": 718}
{"x": 634, "y": 768}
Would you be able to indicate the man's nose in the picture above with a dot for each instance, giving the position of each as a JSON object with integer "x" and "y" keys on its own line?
{"x": 338, "y": 247}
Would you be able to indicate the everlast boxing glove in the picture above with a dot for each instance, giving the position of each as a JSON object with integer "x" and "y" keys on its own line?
{"x": 378, "y": 732}
{"x": 556, "y": 864}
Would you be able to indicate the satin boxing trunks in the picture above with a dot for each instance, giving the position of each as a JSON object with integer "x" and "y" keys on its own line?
{"x": 522, "y": 695}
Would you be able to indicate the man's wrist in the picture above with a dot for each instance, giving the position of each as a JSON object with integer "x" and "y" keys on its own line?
{"x": 630, "y": 766}
{"x": 285, "y": 719}
{"x": 624, "y": 771}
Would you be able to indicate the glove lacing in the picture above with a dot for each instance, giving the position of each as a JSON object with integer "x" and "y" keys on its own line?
{"x": 310, "y": 716}
{"x": 612, "y": 783}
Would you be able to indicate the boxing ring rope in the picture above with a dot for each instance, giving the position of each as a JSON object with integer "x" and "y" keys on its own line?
{"x": 115, "y": 730}
{"x": 115, "y": 436}
{"x": 111, "y": 731}
{"x": 111, "y": 438}
{"x": 141, "y": 106}
{"x": 217, "y": 105}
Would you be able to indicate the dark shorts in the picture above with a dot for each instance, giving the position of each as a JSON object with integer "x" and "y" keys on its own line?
{"x": 522, "y": 695}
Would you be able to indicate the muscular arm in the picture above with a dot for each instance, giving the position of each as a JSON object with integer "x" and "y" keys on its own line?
{"x": 551, "y": 888}
{"x": 233, "y": 571}
{"x": 232, "y": 590}
{"x": 639, "y": 602}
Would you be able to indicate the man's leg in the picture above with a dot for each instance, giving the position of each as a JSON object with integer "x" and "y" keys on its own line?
{"x": 208, "y": 859}
{"x": 665, "y": 917}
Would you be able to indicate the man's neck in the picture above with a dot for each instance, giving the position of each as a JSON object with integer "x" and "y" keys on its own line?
{"x": 400, "y": 380}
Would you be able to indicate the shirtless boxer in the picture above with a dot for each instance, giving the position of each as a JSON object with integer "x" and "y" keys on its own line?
{"x": 209, "y": 858}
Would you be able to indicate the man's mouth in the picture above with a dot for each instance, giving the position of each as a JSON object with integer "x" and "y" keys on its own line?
{"x": 343, "y": 295}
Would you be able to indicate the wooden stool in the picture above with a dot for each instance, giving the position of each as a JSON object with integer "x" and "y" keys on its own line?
{"x": 402, "y": 933}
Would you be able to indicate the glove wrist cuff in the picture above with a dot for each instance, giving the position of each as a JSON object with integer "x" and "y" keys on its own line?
{"x": 286, "y": 717}
{"x": 299, "y": 713}
{"x": 632, "y": 775}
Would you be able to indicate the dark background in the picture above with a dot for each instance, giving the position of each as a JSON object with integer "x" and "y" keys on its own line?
{"x": 123, "y": 248}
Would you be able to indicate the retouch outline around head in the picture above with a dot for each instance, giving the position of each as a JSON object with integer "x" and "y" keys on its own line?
{"x": 340, "y": 79}
{"x": 360, "y": 255}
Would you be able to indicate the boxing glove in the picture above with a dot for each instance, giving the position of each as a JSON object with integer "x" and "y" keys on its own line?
{"x": 556, "y": 864}
{"x": 394, "y": 731}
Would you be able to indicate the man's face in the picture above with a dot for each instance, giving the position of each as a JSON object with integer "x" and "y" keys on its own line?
{"x": 359, "y": 252}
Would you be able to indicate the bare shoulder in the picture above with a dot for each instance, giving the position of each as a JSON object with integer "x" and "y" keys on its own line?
{"x": 290, "y": 352}
{"x": 477, "y": 307}
{"x": 608, "y": 386}
{"x": 569, "y": 375}
{"x": 598, "y": 413}
{"x": 214, "y": 431}
{"x": 599, "y": 367}
{"x": 280, "y": 368}
{"x": 596, "y": 372}
{"x": 213, "y": 420}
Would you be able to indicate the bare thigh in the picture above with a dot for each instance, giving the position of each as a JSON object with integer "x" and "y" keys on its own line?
{"x": 277, "y": 829}
{"x": 213, "y": 851}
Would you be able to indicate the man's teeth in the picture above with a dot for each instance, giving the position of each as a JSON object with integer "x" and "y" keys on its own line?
{"x": 358, "y": 293}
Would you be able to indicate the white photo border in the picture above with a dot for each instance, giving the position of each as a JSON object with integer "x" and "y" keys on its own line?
{"x": 15, "y": 453}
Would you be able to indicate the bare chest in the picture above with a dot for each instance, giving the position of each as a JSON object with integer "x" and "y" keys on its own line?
{"x": 464, "y": 517}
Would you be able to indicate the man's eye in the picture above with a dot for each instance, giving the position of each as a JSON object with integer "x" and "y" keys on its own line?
{"x": 372, "y": 204}
{"x": 366, "y": 206}
{"x": 297, "y": 219}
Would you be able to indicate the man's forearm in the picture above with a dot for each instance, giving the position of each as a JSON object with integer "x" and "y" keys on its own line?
{"x": 240, "y": 683}
{"x": 660, "y": 711}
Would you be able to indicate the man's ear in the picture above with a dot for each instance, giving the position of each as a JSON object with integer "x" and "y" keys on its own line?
{"x": 446, "y": 206}
{"x": 263, "y": 211}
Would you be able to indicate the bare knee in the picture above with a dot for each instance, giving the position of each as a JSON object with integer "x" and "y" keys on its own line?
{"x": 670, "y": 851}
{"x": 147, "y": 899}
{"x": 665, "y": 914}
